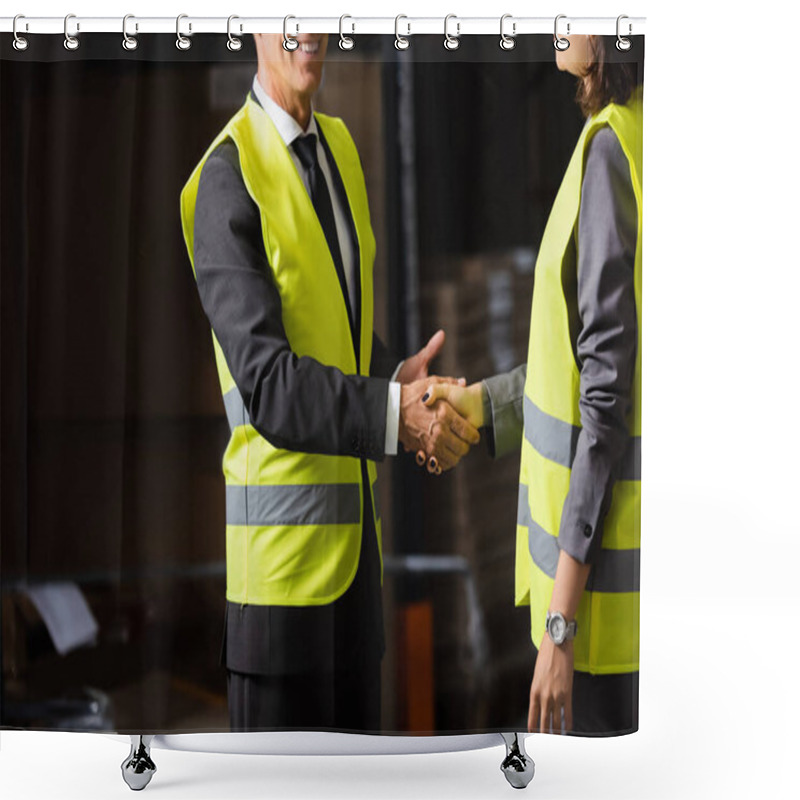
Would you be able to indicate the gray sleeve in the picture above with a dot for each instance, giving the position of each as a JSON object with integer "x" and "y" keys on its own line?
{"x": 295, "y": 403}
{"x": 606, "y": 342}
{"x": 502, "y": 410}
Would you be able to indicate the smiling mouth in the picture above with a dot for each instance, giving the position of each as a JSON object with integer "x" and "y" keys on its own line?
{"x": 309, "y": 48}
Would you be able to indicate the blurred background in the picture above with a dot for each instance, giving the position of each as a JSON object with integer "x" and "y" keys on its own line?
{"x": 112, "y": 537}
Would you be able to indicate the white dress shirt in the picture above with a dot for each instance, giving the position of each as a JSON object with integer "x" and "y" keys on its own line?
{"x": 289, "y": 129}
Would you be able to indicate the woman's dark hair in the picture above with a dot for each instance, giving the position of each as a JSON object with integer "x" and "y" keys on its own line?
{"x": 607, "y": 80}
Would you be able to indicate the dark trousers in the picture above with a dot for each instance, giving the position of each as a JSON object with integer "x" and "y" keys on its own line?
{"x": 605, "y": 704}
{"x": 311, "y": 667}
{"x": 347, "y": 700}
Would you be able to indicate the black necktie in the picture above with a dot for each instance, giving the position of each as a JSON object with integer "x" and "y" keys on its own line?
{"x": 306, "y": 149}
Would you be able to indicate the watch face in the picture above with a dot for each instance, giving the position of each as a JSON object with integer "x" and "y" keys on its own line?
{"x": 558, "y": 628}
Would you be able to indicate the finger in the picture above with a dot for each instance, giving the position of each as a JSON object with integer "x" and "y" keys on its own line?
{"x": 447, "y": 380}
{"x": 434, "y": 392}
{"x": 448, "y": 448}
{"x": 546, "y": 716}
{"x": 444, "y": 457}
{"x": 457, "y": 446}
{"x": 433, "y": 348}
{"x": 420, "y": 458}
{"x": 533, "y": 713}
{"x": 461, "y": 428}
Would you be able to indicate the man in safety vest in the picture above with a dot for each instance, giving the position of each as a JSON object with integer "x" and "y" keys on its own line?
{"x": 276, "y": 223}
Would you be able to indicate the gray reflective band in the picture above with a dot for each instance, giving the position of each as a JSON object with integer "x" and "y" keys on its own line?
{"x": 557, "y": 441}
{"x": 314, "y": 504}
{"x": 613, "y": 570}
{"x": 234, "y": 409}
{"x": 543, "y": 547}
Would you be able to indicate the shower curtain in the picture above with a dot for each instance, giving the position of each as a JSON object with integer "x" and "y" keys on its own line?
{"x": 165, "y": 563}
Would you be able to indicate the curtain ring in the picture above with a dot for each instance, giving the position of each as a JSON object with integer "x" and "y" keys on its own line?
{"x": 623, "y": 44}
{"x": 559, "y": 42}
{"x": 182, "y": 42}
{"x": 451, "y": 42}
{"x": 290, "y": 44}
{"x": 20, "y": 42}
{"x": 400, "y": 42}
{"x": 507, "y": 42}
{"x": 234, "y": 43}
{"x": 129, "y": 42}
{"x": 346, "y": 42}
{"x": 71, "y": 42}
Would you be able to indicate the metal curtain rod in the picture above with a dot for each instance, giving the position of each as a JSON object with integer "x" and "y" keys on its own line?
{"x": 463, "y": 26}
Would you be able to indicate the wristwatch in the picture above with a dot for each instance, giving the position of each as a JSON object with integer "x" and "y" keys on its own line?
{"x": 558, "y": 629}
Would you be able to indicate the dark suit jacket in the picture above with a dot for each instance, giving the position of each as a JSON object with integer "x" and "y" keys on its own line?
{"x": 316, "y": 409}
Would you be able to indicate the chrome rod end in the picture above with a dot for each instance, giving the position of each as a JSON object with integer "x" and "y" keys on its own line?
{"x": 517, "y": 766}
{"x": 138, "y": 768}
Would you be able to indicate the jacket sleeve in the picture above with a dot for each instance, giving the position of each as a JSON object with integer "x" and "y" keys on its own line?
{"x": 383, "y": 363}
{"x": 503, "y": 410}
{"x": 606, "y": 341}
{"x": 296, "y": 403}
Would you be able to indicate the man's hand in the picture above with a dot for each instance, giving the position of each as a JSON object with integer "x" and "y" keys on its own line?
{"x": 416, "y": 367}
{"x": 439, "y": 433}
{"x": 467, "y": 401}
{"x": 551, "y": 688}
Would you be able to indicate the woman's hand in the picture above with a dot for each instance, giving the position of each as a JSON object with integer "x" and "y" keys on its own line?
{"x": 441, "y": 436}
{"x": 466, "y": 400}
{"x": 551, "y": 688}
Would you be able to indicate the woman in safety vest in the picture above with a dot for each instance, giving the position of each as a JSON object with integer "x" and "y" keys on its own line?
{"x": 575, "y": 411}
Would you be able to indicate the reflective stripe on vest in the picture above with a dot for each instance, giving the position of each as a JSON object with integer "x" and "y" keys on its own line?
{"x": 234, "y": 409}
{"x": 608, "y": 615}
{"x": 557, "y": 441}
{"x": 614, "y": 571}
{"x": 315, "y": 504}
{"x": 294, "y": 519}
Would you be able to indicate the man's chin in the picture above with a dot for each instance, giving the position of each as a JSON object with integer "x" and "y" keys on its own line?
{"x": 310, "y": 85}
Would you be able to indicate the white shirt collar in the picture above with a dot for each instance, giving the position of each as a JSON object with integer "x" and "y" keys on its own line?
{"x": 288, "y": 127}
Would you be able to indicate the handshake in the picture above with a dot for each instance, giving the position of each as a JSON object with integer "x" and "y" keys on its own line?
{"x": 439, "y": 417}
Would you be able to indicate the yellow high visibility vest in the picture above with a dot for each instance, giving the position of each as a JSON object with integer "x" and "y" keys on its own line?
{"x": 294, "y": 520}
{"x": 608, "y": 617}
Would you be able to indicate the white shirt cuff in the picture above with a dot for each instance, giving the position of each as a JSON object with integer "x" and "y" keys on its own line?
{"x": 392, "y": 418}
